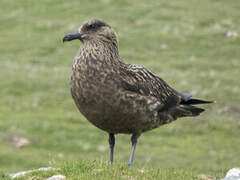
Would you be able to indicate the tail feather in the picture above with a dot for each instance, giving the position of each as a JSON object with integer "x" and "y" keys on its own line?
{"x": 195, "y": 111}
{"x": 185, "y": 111}
{"x": 195, "y": 101}
{"x": 177, "y": 107}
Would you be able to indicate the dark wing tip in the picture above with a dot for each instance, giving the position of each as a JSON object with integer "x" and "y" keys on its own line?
{"x": 196, "y": 101}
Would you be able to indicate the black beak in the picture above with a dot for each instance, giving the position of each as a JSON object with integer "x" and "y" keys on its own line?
{"x": 71, "y": 36}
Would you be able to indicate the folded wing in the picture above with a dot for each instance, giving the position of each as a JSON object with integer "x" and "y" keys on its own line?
{"x": 139, "y": 80}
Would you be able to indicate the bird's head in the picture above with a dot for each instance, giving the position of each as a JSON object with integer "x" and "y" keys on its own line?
{"x": 93, "y": 30}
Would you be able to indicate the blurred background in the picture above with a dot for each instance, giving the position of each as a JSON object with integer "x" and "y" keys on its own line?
{"x": 193, "y": 45}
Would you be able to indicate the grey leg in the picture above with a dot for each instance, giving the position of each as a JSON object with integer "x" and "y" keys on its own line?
{"x": 111, "y": 141}
{"x": 134, "y": 143}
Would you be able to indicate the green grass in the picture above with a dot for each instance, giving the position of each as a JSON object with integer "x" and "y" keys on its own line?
{"x": 102, "y": 170}
{"x": 199, "y": 58}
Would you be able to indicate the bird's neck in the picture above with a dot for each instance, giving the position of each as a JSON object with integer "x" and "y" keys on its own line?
{"x": 100, "y": 50}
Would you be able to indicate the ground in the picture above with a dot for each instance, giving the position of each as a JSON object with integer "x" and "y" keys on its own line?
{"x": 193, "y": 45}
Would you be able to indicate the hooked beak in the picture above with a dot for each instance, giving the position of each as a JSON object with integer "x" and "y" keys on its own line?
{"x": 71, "y": 36}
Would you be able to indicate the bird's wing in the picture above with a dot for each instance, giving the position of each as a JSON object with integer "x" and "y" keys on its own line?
{"x": 140, "y": 80}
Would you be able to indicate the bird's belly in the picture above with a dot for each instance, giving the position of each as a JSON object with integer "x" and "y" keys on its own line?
{"x": 105, "y": 109}
{"x": 112, "y": 121}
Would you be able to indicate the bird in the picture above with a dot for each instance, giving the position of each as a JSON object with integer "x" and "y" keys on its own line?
{"x": 117, "y": 97}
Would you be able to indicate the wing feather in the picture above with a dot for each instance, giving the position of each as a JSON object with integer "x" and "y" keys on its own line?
{"x": 140, "y": 80}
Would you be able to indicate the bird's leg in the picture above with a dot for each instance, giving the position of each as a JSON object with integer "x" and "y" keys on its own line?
{"x": 134, "y": 139}
{"x": 111, "y": 141}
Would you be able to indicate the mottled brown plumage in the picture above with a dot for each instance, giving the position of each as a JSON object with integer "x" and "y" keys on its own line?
{"x": 118, "y": 97}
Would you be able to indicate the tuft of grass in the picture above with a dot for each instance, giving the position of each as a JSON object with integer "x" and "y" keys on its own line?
{"x": 103, "y": 170}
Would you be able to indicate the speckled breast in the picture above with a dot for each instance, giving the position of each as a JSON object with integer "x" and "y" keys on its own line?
{"x": 98, "y": 94}
{"x": 95, "y": 95}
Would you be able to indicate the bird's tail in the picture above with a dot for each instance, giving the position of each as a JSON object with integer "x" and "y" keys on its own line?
{"x": 185, "y": 111}
{"x": 183, "y": 108}
{"x": 195, "y": 101}
{"x": 193, "y": 110}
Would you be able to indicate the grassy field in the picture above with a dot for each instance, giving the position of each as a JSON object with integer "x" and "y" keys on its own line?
{"x": 102, "y": 170}
{"x": 192, "y": 44}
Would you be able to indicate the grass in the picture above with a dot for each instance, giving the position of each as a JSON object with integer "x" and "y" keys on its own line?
{"x": 102, "y": 170}
{"x": 182, "y": 41}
